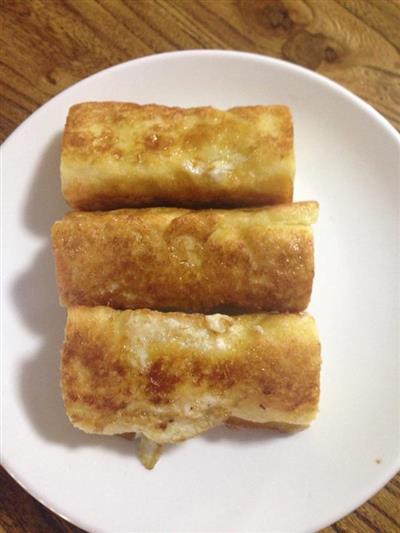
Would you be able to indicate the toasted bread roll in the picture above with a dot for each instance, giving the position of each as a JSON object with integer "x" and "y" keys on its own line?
{"x": 205, "y": 261}
{"x": 127, "y": 155}
{"x": 171, "y": 376}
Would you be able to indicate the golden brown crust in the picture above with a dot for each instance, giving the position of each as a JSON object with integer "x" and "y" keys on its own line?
{"x": 172, "y": 376}
{"x": 206, "y": 261}
{"x": 119, "y": 154}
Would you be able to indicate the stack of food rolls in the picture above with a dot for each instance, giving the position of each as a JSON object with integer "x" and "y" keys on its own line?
{"x": 185, "y": 270}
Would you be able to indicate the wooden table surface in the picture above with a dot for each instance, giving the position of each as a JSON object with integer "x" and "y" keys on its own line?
{"x": 47, "y": 45}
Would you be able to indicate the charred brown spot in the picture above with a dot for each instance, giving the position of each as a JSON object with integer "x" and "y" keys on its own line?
{"x": 222, "y": 375}
{"x": 81, "y": 346}
{"x": 268, "y": 389}
{"x": 89, "y": 399}
{"x": 68, "y": 379}
{"x": 161, "y": 382}
{"x": 226, "y": 374}
{"x": 71, "y": 345}
{"x": 196, "y": 371}
{"x": 113, "y": 404}
{"x": 74, "y": 140}
{"x": 118, "y": 368}
{"x": 71, "y": 396}
{"x": 103, "y": 403}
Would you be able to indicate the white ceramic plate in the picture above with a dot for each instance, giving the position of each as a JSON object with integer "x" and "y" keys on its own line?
{"x": 347, "y": 159}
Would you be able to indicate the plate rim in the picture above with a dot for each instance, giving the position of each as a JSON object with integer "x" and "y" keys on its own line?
{"x": 389, "y": 472}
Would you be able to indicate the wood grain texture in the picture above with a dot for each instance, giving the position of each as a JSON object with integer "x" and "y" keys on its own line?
{"x": 46, "y": 45}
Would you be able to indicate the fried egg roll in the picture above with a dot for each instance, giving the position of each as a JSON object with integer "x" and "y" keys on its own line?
{"x": 171, "y": 376}
{"x": 127, "y": 155}
{"x": 176, "y": 259}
